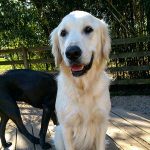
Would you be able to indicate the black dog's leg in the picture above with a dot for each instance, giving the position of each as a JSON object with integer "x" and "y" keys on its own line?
{"x": 44, "y": 125}
{"x": 16, "y": 118}
{"x": 4, "y": 120}
{"x": 9, "y": 106}
{"x": 54, "y": 118}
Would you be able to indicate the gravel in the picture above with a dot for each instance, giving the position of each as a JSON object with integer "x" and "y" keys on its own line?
{"x": 136, "y": 104}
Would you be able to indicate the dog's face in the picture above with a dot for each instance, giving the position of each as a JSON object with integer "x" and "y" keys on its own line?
{"x": 79, "y": 40}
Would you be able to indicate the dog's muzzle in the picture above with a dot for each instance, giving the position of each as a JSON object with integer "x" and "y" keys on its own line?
{"x": 73, "y": 54}
{"x": 83, "y": 69}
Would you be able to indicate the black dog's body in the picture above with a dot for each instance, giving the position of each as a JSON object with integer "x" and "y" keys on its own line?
{"x": 33, "y": 87}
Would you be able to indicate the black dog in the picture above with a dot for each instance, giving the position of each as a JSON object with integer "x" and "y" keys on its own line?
{"x": 33, "y": 87}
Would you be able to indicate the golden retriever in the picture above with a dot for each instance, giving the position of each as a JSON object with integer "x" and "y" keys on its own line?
{"x": 81, "y": 46}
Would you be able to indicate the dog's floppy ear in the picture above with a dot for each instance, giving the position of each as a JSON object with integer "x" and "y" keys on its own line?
{"x": 55, "y": 46}
{"x": 105, "y": 39}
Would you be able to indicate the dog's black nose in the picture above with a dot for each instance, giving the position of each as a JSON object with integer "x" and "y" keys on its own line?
{"x": 73, "y": 52}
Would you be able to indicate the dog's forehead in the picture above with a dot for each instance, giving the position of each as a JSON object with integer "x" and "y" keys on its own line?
{"x": 79, "y": 14}
{"x": 78, "y": 19}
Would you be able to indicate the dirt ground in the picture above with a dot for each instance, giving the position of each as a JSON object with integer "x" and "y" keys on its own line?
{"x": 136, "y": 104}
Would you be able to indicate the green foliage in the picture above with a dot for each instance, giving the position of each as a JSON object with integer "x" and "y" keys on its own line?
{"x": 20, "y": 25}
{"x": 4, "y": 68}
{"x": 28, "y": 23}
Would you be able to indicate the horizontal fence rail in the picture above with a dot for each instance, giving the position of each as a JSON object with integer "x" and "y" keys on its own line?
{"x": 130, "y": 54}
{"x": 130, "y": 40}
{"x": 129, "y": 68}
{"x": 131, "y": 81}
{"x": 44, "y": 48}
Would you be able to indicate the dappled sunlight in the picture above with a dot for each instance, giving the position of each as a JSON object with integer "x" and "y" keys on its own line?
{"x": 11, "y": 134}
{"x": 126, "y": 130}
{"x": 129, "y": 130}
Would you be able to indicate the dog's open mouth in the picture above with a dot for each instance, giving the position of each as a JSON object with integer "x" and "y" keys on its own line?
{"x": 80, "y": 69}
{"x": 77, "y": 67}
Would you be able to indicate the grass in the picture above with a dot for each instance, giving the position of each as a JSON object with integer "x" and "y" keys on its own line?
{"x": 4, "y": 68}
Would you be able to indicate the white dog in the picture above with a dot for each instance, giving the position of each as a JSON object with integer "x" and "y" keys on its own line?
{"x": 81, "y": 46}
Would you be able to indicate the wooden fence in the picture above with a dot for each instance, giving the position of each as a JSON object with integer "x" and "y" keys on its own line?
{"x": 113, "y": 66}
{"x": 25, "y": 59}
{"x": 134, "y": 59}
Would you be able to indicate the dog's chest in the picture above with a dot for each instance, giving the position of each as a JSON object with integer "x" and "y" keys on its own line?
{"x": 75, "y": 108}
{"x": 84, "y": 116}
{"x": 85, "y": 119}
{"x": 88, "y": 107}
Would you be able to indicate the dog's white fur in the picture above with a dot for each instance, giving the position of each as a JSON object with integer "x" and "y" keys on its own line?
{"x": 83, "y": 103}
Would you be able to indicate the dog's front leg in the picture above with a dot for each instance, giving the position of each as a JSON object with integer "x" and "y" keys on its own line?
{"x": 100, "y": 140}
{"x": 44, "y": 125}
{"x": 68, "y": 137}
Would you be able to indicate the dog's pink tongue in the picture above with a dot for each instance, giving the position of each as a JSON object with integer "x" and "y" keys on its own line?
{"x": 77, "y": 67}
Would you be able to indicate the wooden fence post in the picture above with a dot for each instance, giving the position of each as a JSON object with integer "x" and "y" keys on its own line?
{"x": 25, "y": 58}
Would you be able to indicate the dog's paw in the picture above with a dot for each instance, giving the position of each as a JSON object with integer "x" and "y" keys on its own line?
{"x": 46, "y": 146}
{"x": 6, "y": 145}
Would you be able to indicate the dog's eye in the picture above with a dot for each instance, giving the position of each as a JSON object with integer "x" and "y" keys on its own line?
{"x": 88, "y": 29}
{"x": 63, "y": 33}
